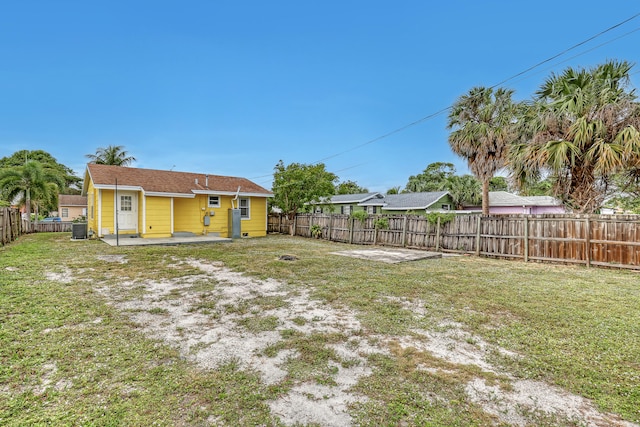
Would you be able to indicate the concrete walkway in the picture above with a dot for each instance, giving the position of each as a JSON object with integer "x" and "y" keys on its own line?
{"x": 127, "y": 240}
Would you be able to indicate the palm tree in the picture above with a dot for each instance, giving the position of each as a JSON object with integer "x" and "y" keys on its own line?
{"x": 484, "y": 126}
{"x": 581, "y": 130}
{"x": 112, "y": 155}
{"x": 31, "y": 183}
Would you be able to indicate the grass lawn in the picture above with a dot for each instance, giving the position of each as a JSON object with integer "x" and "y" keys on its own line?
{"x": 96, "y": 335}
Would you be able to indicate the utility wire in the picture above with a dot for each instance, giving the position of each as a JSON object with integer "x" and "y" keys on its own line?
{"x": 583, "y": 52}
{"x": 567, "y": 50}
{"x": 443, "y": 110}
{"x": 437, "y": 113}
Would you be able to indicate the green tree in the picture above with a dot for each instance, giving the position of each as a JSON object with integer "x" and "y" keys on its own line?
{"x": 394, "y": 190}
{"x": 31, "y": 183}
{"x": 581, "y": 130}
{"x": 498, "y": 183}
{"x": 19, "y": 158}
{"x": 483, "y": 123}
{"x": 350, "y": 187}
{"x": 541, "y": 187}
{"x": 433, "y": 178}
{"x": 465, "y": 189}
{"x": 297, "y": 184}
{"x": 111, "y": 155}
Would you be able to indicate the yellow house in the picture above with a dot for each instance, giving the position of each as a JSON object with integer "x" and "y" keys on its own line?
{"x": 157, "y": 203}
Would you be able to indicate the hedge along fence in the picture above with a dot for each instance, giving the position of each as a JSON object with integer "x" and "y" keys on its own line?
{"x": 11, "y": 225}
{"x": 603, "y": 240}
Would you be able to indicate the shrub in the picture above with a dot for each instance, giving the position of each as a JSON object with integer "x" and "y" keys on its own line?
{"x": 381, "y": 223}
{"x": 316, "y": 231}
{"x": 432, "y": 217}
{"x": 360, "y": 215}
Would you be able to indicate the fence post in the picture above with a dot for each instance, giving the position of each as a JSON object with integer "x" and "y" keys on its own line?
{"x": 404, "y": 231}
{"x": 526, "y": 239}
{"x": 437, "y": 235}
{"x": 351, "y": 220}
{"x": 375, "y": 233}
{"x": 295, "y": 225}
{"x": 311, "y": 223}
{"x": 478, "y": 235}
{"x": 588, "y": 241}
{"x": 329, "y": 226}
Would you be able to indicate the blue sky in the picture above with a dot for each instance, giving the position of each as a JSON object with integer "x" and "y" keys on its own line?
{"x": 231, "y": 87}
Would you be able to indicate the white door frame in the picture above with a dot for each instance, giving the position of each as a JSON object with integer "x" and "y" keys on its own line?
{"x": 127, "y": 222}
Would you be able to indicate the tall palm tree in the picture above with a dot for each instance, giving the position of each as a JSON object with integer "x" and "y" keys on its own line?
{"x": 582, "y": 129}
{"x": 111, "y": 155}
{"x": 31, "y": 183}
{"x": 484, "y": 126}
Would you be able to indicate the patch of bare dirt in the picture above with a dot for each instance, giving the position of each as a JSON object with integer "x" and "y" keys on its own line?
{"x": 171, "y": 310}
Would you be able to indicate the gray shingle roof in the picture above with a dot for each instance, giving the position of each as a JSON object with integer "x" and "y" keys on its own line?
{"x": 504, "y": 198}
{"x": 409, "y": 201}
{"x": 352, "y": 198}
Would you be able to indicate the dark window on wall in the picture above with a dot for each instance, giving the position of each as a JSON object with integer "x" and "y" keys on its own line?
{"x": 214, "y": 201}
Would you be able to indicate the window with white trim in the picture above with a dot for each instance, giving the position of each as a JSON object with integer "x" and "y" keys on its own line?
{"x": 245, "y": 208}
{"x": 446, "y": 207}
{"x": 65, "y": 213}
{"x": 214, "y": 201}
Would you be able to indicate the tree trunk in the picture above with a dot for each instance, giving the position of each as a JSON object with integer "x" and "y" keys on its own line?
{"x": 485, "y": 197}
{"x": 292, "y": 224}
{"x": 27, "y": 204}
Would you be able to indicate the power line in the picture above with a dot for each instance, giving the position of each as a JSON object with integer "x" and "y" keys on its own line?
{"x": 587, "y": 51}
{"x": 567, "y": 50}
{"x": 443, "y": 110}
{"x": 437, "y": 113}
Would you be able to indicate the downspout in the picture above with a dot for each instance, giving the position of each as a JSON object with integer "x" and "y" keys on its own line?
{"x": 235, "y": 199}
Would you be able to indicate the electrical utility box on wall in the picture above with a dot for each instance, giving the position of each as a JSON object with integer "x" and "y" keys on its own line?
{"x": 206, "y": 220}
{"x": 234, "y": 223}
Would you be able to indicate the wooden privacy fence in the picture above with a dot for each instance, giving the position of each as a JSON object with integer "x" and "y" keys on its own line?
{"x": 51, "y": 227}
{"x": 603, "y": 240}
{"x": 10, "y": 225}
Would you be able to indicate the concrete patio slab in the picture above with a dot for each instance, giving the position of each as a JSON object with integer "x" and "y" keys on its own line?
{"x": 138, "y": 241}
{"x": 391, "y": 256}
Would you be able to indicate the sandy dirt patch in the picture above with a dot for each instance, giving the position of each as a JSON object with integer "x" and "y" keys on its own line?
{"x": 171, "y": 310}
{"x": 391, "y": 256}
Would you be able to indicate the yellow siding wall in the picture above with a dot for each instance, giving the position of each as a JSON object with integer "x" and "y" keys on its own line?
{"x": 158, "y": 217}
{"x": 106, "y": 211}
{"x": 187, "y": 215}
{"x": 92, "y": 206}
{"x": 257, "y": 225}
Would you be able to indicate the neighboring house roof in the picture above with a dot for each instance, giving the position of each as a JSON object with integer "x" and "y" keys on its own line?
{"x": 170, "y": 183}
{"x": 412, "y": 201}
{"x": 350, "y": 198}
{"x": 72, "y": 200}
{"x": 543, "y": 200}
{"x": 504, "y": 198}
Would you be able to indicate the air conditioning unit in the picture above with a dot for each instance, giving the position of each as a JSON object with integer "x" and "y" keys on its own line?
{"x": 79, "y": 230}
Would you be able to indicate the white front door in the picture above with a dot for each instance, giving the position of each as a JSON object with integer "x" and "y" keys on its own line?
{"x": 127, "y": 211}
